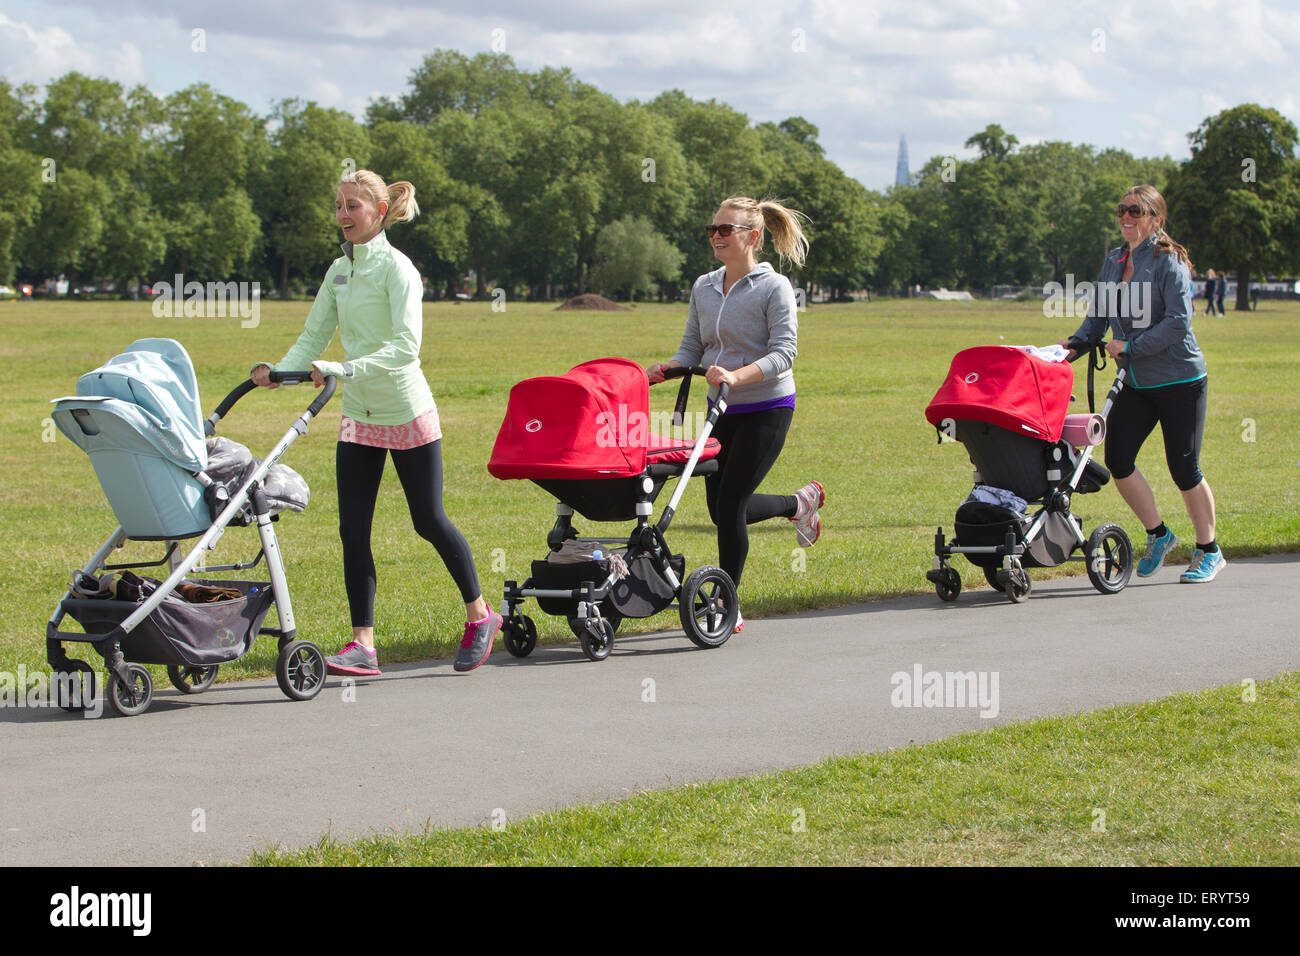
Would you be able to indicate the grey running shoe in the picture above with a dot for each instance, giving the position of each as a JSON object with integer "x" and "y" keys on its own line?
{"x": 476, "y": 645}
{"x": 355, "y": 660}
{"x": 807, "y": 522}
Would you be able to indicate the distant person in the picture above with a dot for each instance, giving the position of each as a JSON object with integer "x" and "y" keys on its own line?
{"x": 750, "y": 345}
{"x": 1209, "y": 292}
{"x": 372, "y": 295}
{"x": 1166, "y": 384}
{"x": 1220, "y": 290}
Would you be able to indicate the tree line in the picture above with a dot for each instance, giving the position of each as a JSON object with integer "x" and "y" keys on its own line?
{"x": 544, "y": 185}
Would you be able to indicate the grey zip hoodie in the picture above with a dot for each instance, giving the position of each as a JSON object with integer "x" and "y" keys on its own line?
{"x": 756, "y": 322}
{"x": 1161, "y": 347}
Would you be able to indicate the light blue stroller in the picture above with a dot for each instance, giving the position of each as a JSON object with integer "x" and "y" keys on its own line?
{"x": 138, "y": 418}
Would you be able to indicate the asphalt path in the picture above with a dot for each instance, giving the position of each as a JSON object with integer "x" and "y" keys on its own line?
{"x": 213, "y": 777}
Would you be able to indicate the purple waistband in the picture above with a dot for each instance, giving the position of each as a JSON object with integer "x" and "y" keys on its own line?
{"x": 785, "y": 401}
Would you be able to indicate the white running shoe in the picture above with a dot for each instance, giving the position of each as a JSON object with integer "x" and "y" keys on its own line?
{"x": 807, "y": 522}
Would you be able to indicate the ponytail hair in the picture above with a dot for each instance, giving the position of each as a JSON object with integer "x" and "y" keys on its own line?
{"x": 785, "y": 225}
{"x": 1155, "y": 203}
{"x": 399, "y": 196}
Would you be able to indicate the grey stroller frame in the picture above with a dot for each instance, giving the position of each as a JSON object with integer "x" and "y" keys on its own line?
{"x": 161, "y": 628}
{"x": 1048, "y": 474}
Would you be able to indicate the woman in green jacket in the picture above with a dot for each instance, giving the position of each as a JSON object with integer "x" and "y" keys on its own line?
{"x": 372, "y": 294}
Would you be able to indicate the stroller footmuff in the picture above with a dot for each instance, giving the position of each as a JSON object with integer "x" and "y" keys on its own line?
{"x": 1007, "y": 408}
{"x": 167, "y": 479}
{"x": 584, "y": 437}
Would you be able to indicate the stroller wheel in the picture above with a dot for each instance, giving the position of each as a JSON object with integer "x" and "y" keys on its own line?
{"x": 1110, "y": 558}
{"x": 709, "y": 607}
{"x": 300, "y": 670}
{"x": 991, "y": 576}
{"x": 1018, "y": 586}
{"x": 133, "y": 697}
{"x": 949, "y": 584}
{"x": 578, "y": 626}
{"x": 520, "y": 638}
{"x": 192, "y": 680}
{"x": 74, "y": 685}
{"x": 597, "y": 639}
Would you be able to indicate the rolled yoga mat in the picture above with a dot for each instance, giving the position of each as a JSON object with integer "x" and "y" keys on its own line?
{"x": 1084, "y": 429}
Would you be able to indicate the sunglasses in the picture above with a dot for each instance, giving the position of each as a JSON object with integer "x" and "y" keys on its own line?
{"x": 1136, "y": 211}
{"x": 724, "y": 230}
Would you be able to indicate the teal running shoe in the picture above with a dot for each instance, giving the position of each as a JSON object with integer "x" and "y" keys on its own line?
{"x": 1154, "y": 557}
{"x": 1204, "y": 566}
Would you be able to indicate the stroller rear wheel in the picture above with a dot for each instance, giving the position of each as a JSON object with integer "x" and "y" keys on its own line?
{"x": 520, "y": 638}
{"x": 192, "y": 680}
{"x": 134, "y": 696}
{"x": 597, "y": 638}
{"x": 1110, "y": 558}
{"x": 709, "y": 607}
{"x": 300, "y": 670}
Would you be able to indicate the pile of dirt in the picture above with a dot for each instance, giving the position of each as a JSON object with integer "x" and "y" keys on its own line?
{"x": 590, "y": 302}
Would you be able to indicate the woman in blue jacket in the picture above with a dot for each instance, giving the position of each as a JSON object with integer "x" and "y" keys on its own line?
{"x": 1167, "y": 382}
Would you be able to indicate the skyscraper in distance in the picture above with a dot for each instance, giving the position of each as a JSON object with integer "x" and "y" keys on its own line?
{"x": 903, "y": 175}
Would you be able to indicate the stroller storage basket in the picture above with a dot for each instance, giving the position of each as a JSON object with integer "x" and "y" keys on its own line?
{"x": 179, "y": 633}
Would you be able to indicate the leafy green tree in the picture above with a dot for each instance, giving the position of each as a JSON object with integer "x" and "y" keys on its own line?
{"x": 211, "y": 152}
{"x": 20, "y": 177}
{"x": 633, "y": 257}
{"x": 312, "y": 148}
{"x": 1237, "y": 200}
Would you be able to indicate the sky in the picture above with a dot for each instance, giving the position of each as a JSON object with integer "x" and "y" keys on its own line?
{"x": 1134, "y": 75}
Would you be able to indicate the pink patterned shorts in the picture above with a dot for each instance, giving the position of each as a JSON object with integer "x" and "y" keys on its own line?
{"x": 419, "y": 431}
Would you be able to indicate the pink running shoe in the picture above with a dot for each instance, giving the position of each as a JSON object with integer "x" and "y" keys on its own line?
{"x": 355, "y": 660}
{"x": 807, "y": 522}
{"x": 476, "y": 645}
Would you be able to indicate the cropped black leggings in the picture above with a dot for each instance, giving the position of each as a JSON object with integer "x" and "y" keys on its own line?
{"x": 1180, "y": 410}
{"x": 359, "y": 469}
{"x": 751, "y": 443}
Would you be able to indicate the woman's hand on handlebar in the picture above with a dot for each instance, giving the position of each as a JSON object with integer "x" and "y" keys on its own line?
{"x": 262, "y": 376}
{"x": 655, "y": 372}
{"x": 1115, "y": 347}
{"x": 1070, "y": 353}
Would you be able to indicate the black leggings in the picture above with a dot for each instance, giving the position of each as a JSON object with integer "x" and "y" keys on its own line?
{"x": 1180, "y": 410}
{"x": 359, "y": 469}
{"x": 751, "y": 442}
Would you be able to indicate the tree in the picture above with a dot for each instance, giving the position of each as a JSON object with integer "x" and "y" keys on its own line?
{"x": 312, "y": 148}
{"x": 632, "y": 257}
{"x": 994, "y": 142}
{"x": 1239, "y": 194}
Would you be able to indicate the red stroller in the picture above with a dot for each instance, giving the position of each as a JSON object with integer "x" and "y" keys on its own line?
{"x": 585, "y": 438}
{"x": 1008, "y": 408}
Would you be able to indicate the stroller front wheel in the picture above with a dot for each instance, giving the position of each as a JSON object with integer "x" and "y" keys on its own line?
{"x": 520, "y": 636}
{"x": 597, "y": 638}
{"x": 300, "y": 670}
{"x": 133, "y": 697}
{"x": 949, "y": 584}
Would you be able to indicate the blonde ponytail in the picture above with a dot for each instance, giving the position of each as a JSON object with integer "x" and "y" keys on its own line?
{"x": 785, "y": 225}
{"x": 399, "y": 196}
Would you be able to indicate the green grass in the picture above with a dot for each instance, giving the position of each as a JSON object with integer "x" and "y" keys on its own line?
{"x": 865, "y": 373}
{"x": 1184, "y": 781}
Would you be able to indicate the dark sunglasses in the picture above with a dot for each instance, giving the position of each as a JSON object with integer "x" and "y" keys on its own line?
{"x": 1136, "y": 211}
{"x": 724, "y": 230}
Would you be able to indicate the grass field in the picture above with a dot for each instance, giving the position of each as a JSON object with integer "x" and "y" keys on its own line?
{"x": 1190, "y": 780}
{"x": 865, "y": 373}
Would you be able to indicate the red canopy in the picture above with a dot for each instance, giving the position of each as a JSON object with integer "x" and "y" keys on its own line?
{"x": 576, "y": 425}
{"x": 1005, "y": 386}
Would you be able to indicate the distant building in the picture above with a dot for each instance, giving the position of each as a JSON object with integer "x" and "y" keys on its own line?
{"x": 903, "y": 175}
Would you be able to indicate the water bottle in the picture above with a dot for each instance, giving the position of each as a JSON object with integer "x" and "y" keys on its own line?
{"x": 597, "y": 555}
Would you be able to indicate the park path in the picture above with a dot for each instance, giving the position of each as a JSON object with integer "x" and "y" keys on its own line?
{"x": 212, "y": 778}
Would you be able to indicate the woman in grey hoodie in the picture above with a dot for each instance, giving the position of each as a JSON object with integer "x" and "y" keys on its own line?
{"x": 743, "y": 327}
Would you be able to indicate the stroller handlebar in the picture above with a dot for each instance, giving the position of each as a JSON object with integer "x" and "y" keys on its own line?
{"x": 685, "y": 372}
{"x": 282, "y": 378}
